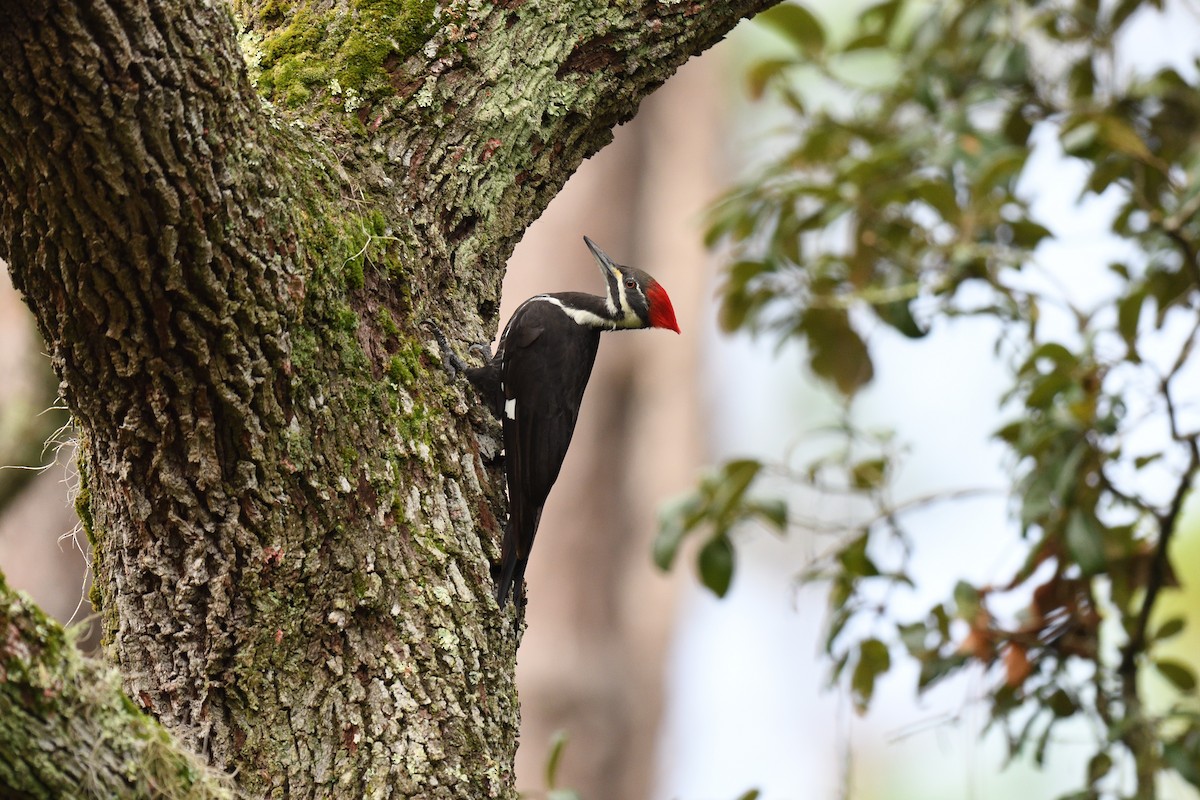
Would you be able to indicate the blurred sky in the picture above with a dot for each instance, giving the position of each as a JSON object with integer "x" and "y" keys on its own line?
{"x": 748, "y": 703}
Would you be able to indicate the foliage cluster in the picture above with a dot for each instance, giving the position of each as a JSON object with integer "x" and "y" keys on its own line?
{"x": 900, "y": 201}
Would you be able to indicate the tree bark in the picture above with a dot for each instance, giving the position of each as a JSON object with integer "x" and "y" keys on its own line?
{"x": 292, "y": 512}
{"x": 67, "y": 730}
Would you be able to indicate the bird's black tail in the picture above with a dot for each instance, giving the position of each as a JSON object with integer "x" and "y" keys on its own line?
{"x": 512, "y": 574}
{"x": 512, "y": 562}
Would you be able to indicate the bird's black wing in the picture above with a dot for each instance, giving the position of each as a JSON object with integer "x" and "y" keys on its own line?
{"x": 547, "y": 360}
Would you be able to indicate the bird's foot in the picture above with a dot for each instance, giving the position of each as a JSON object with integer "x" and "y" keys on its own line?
{"x": 483, "y": 350}
{"x": 450, "y": 360}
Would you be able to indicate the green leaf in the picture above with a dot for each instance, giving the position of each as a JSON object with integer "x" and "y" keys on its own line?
{"x": 1000, "y": 169}
{"x": 675, "y": 521}
{"x": 868, "y": 41}
{"x": 1129, "y": 312}
{"x": 1052, "y": 351}
{"x": 1085, "y": 543}
{"x": 1183, "y": 756}
{"x": 798, "y": 24}
{"x": 836, "y": 352}
{"x": 937, "y": 668}
{"x": 1079, "y": 136}
{"x": 1061, "y": 704}
{"x": 734, "y": 310}
{"x": 558, "y": 742}
{"x": 762, "y": 73}
{"x": 854, "y": 559}
{"x": 869, "y": 474}
{"x": 774, "y": 512}
{"x": 1177, "y": 674}
{"x": 753, "y": 794}
{"x": 873, "y": 660}
{"x": 898, "y": 314}
{"x": 1081, "y": 80}
{"x": 1045, "y": 389}
{"x": 1120, "y": 136}
{"x": 735, "y": 477}
{"x": 1170, "y": 628}
{"x": 1028, "y": 234}
{"x": 966, "y": 601}
{"x": 716, "y": 564}
{"x": 1099, "y": 766}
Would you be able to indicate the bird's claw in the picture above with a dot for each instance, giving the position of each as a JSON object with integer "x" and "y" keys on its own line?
{"x": 452, "y": 363}
{"x": 481, "y": 349}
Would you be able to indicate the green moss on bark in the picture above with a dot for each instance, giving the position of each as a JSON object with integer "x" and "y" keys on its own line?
{"x": 303, "y": 55}
{"x": 58, "y": 710}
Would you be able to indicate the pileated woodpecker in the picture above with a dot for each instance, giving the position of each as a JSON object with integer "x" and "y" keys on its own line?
{"x": 535, "y": 384}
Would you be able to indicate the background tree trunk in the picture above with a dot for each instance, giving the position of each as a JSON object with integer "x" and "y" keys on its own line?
{"x": 292, "y": 512}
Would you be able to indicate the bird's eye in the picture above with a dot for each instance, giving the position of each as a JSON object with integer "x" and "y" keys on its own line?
{"x": 630, "y": 283}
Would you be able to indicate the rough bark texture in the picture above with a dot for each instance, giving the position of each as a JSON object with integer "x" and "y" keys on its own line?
{"x": 67, "y": 729}
{"x": 292, "y": 512}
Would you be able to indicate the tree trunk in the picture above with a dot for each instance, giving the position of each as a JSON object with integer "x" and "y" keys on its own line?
{"x": 292, "y": 511}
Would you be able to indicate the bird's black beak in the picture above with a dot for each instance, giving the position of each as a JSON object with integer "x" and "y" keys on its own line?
{"x": 606, "y": 263}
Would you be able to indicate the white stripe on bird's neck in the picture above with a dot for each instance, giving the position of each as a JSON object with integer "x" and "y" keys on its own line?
{"x": 588, "y": 319}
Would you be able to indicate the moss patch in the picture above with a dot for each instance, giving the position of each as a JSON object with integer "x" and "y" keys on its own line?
{"x": 336, "y": 57}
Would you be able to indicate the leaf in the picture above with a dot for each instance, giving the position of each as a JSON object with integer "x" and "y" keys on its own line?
{"x": 1079, "y": 136}
{"x": 1044, "y": 390}
{"x": 1002, "y": 168}
{"x": 761, "y": 74}
{"x": 1129, "y": 312}
{"x": 1099, "y": 766}
{"x": 716, "y": 564}
{"x": 869, "y": 474}
{"x": 798, "y": 24}
{"x": 873, "y": 660}
{"x": 752, "y": 794}
{"x": 836, "y": 352}
{"x": 734, "y": 310}
{"x": 1061, "y": 704}
{"x": 735, "y": 477}
{"x": 1120, "y": 136}
{"x": 1170, "y": 628}
{"x": 1085, "y": 543}
{"x": 855, "y": 561}
{"x": 935, "y": 669}
{"x": 868, "y": 41}
{"x": 898, "y": 314}
{"x": 1081, "y": 80}
{"x": 1052, "y": 351}
{"x": 1028, "y": 234}
{"x": 558, "y": 743}
{"x": 966, "y": 601}
{"x": 674, "y": 523}
{"x": 1177, "y": 674}
{"x": 773, "y": 512}
{"x": 938, "y": 194}
{"x": 1183, "y": 755}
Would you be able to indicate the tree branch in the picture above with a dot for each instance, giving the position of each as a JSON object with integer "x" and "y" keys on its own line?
{"x": 68, "y": 730}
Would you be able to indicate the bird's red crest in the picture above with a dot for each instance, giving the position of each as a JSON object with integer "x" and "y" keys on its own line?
{"x": 662, "y": 314}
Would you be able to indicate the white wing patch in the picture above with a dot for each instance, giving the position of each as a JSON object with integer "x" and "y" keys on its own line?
{"x": 510, "y": 408}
